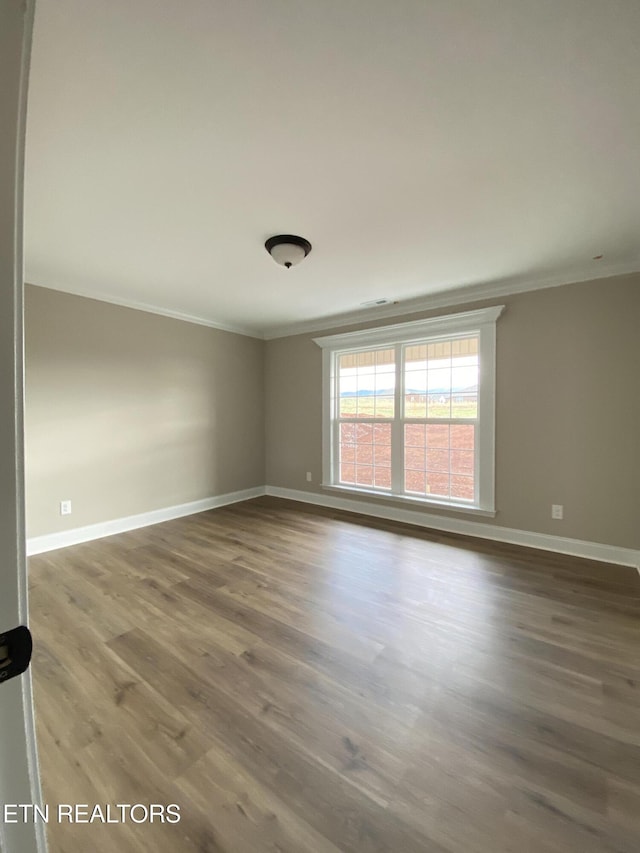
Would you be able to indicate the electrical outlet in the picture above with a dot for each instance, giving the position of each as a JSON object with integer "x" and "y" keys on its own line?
{"x": 308, "y": 476}
{"x": 65, "y": 507}
{"x": 557, "y": 511}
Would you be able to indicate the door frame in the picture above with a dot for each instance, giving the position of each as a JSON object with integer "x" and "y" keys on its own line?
{"x": 19, "y": 769}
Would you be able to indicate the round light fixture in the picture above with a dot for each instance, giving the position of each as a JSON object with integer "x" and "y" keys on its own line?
{"x": 287, "y": 249}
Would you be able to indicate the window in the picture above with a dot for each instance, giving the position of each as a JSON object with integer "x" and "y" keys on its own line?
{"x": 409, "y": 410}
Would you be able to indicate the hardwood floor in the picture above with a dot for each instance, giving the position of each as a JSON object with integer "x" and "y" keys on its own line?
{"x": 300, "y": 681}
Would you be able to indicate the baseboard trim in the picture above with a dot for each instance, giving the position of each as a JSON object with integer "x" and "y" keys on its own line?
{"x": 543, "y": 541}
{"x": 51, "y": 541}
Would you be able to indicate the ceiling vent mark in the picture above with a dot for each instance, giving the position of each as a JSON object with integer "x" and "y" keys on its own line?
{"x": 373, "y": 302}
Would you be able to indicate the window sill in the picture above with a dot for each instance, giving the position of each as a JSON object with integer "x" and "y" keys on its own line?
{"x": 411, "y": 501}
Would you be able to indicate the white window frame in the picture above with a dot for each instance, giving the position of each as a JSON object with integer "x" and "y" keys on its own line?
{"x": 481, "y": 323}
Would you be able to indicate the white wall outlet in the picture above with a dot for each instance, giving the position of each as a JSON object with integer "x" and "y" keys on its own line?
{"x": 308, "y": 476}
{"x": 65, "y": 507}
{"x": 557, "y": 511}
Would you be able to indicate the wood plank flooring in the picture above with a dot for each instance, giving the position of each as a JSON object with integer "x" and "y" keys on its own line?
{"x": 307, "y": 681}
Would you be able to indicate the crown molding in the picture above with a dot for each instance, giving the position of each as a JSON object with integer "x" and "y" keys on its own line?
{"x": 155, "y": 309}
{"x": 441, "y": 299}
{"x": 444, "y": 299}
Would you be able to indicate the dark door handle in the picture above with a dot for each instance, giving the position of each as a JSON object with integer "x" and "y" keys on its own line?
{"x": 15, "y": 652}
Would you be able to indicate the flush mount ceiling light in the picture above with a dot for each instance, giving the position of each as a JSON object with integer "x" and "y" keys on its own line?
{"x": 287, "y": 249}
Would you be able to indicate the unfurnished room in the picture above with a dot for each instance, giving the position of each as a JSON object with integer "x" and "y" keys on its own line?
{"x": 319, "y": 427}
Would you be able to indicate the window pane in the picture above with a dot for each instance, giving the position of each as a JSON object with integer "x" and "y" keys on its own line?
{"x": 439, "y": 388}
{"x": 438, "y": 484}
{"x": 464, "y": 387}
{"x": 414, "y": 458}
{"x": 384, "y": 407}
{"x": 439, "y": 405}
{"x": 382, "y": 456}
{"x": 441, "y": 379}
{"x": 381, "y": 434}
{"x": 364, "y": 433}
{"x": 347, "y": 473}
{"x": 365, "y": 405}
{"x": 463, "y": 436}
{"x": 366, "y": 384}
{"x": 347, "y": 432}
{"x": 464, "y": 405}
{"x": 364, "y": 475}
{"x": 462, "y": 487}
{"x": 464, "y": 378}
{"x": 439, "y": 351}
{"x": 462, "y": 462}
{"x": 386, "y": 358}
{"x": 382, "y": 478}
{"x": 439, "y": 460}
{"x": 415, "y": 482}
{"x": 415, "y": 356}
{"x": 365, "y": 455}
{"x": 464, "y": 348}
{"x": 348, "y": 453}
{"x": 415, "y": 435}
{"x": 383, "y": 382}
{"x": 348, "y": 407}
{"x": 415, "y": 381}
{"x": 415, "y": 404}
{"x": 438, "y": 435}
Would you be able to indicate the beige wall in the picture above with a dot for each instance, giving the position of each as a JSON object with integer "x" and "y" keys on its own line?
{"x": 568, "y": 410}
{"x": 128, "y": 411}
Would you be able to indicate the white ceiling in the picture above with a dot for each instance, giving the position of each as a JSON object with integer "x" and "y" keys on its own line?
{"x": 420, "y": 145}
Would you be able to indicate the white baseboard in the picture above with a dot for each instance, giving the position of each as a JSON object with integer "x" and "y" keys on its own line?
{"x": 558, "y": 544}
{"x": 546, "y": 542}
{"x": 40, "y": 544}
